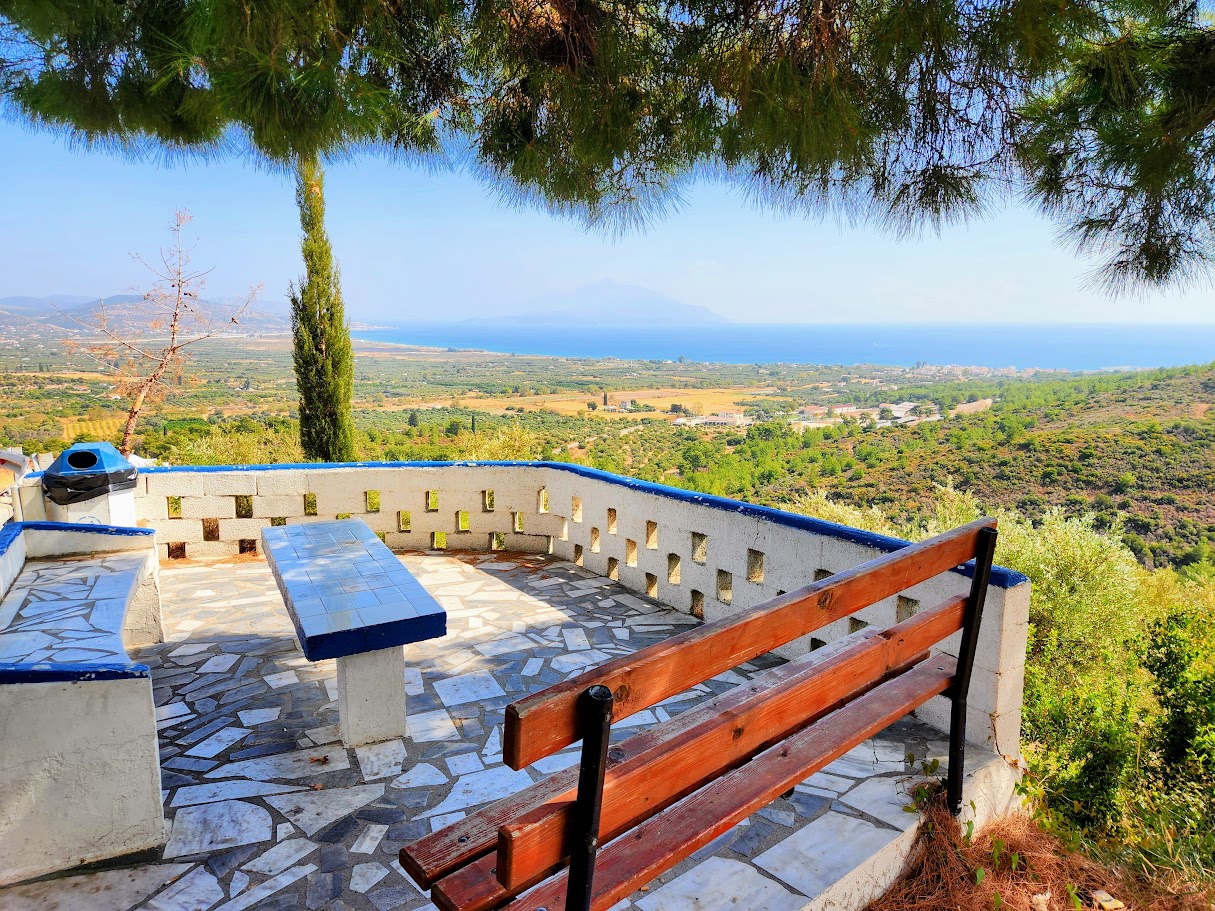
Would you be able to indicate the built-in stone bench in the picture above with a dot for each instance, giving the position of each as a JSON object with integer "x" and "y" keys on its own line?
{"x": 350, "y": 598}
{"x": 81, "y": 778}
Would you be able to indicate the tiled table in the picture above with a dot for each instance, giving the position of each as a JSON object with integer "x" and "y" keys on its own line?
{"x": 350, "y": 598}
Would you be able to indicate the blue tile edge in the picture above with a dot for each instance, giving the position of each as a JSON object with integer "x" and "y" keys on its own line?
{"x": 372, "y": 638}
{"x": 1001, "y": 577}
{"x": 11, "y": 531}
{"x": 71, "y": 673}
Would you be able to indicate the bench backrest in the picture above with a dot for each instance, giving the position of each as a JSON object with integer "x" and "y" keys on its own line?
{"x": 674, "y": 787}
{"x": 546, "y": 722}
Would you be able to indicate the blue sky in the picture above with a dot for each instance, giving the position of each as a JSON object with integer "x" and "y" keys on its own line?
{"x": 418, "y": 245}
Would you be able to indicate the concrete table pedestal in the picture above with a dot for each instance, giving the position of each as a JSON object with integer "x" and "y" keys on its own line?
{"x": 371, "y": 696}
{"x": 351, "y": 599}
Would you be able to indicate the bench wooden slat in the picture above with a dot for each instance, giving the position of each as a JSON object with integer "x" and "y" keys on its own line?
{"x": 647, "y": 783}
{"x": 476, "y": 887}
{"x": 440, "y": 853}
{"x": 662, "y": 841}
{"x": 539, "y": 725}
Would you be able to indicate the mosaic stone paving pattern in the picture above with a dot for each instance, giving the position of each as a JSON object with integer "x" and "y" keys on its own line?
{"x": 69, "y": 611}
{"x": 270, "y": 812}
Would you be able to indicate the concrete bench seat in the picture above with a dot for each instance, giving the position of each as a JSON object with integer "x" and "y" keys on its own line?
{"x": 77, "y": 719}
{"x": 350, "y": 598}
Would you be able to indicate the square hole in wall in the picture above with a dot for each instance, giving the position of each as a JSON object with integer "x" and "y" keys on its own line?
{"x": 438, "y": 540}
{"x": 651, "y": 585}
{"x": 542, "y": 500}
{"x": 651, "y": 535}
{"x": 342, "y": 515}
{"x": 278, "y": 521}
{"x": 463, "y": 521}
{"x": 630, "y": 552}
{"x": 247, "y": 546}
{"x": 821, "y": 574}
{"x": 576, "y": 508}
{"x": 382, "y": 536}
{"x": 177, "y": 550}
{"x": 210, "y": 529}
{"x": 432, "y": 501}
{"x": 174, "y": 507}
{"x": 613, "y": 569}
{"x": 497, "y": 540}
{"x": 310, "y": 504}
{"x": 755, "y": 566}
{"x": 725, "y": 586}
{"x": 700, "y": 548}
{"x": 371, "y": 500}
{"x": 487, "y": 501}
{"x": 816, "y": 644}
{"x": 403, "y": 520}
{"x": 855, "y": 625}
{"x": 673, "y": 571}
{"x": 698, "y": 604}
{"x": 577, "y": 554}
{"x": 905, "y": 609}
{"x": 611, "y": 523}
{"x": 244, "y": 506}
{"x": 594, "y": 540}
{"x": 517, "y": 522}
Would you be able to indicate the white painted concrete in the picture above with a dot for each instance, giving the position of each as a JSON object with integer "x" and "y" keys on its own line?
{"x": 371, "y": 696}
{"x": 80, "y": 780}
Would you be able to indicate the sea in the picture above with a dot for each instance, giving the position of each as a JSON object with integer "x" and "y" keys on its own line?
{"x": 1023, "y": 346}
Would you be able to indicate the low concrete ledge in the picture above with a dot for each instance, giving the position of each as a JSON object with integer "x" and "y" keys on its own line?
{"x": 79, "y": 780}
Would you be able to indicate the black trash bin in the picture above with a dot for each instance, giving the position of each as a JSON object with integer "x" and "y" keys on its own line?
{"x": 90, "y": 482}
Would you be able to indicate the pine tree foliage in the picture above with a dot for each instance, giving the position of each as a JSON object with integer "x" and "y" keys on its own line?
{"x": 323, "y": 355}
{"x": 908, "y": 115}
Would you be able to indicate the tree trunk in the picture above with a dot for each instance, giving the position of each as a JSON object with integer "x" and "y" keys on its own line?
{"x": 323, "y": 355}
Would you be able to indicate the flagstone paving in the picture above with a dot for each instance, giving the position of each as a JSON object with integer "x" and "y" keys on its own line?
{"x": 270, "y": 812}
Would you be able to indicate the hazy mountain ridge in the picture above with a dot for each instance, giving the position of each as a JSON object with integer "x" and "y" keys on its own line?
{"x": 63, "y": 315}
{"x": 606, "y": 303}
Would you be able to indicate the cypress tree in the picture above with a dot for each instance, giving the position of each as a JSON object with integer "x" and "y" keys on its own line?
{"x": 323, "y": 355}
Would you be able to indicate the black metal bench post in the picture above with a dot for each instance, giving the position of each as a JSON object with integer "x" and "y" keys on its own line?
{"x": 984, "y": 553}
{"x": 595, "y": 721}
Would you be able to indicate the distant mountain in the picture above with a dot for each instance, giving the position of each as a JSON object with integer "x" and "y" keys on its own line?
{"x": 62, "y": 315}
{"x": 606, "y": 303}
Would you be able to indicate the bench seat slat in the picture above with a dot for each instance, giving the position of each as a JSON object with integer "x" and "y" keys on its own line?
{"x": 438, "y": 854}
{"x": 539, "y": 725}
{"x": 641, "y": 786}
{"x": 662, "y": 841}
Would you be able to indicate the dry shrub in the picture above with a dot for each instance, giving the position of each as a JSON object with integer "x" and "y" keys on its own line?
{"x": 1023, "y": 868}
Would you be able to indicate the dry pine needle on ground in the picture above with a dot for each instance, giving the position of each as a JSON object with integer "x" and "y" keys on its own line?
{"x": 1013, "y": 864}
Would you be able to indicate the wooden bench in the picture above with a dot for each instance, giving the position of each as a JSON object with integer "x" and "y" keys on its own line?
{"x": 675, "y": 787}
{"x": 351, "y": 599}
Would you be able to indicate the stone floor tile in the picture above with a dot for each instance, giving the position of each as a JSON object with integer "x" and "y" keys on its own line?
{"x": 380, "y": 760}
{"x": 818, "y": 855}
{"x": 719, "y": 883}
{"x": 109, "y": 890}
{"x": 198, "y": 890}
{"x": 217, "y": 826}
{"x": 313, "y": 810}
{"x": 884, "y": 799}
{"x": 474, "y": 687}
{"x": 281, "y": 856}
{"x": 364, "y": 876}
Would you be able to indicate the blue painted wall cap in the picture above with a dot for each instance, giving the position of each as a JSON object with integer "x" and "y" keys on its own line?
{"x": 88, "y": 459}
